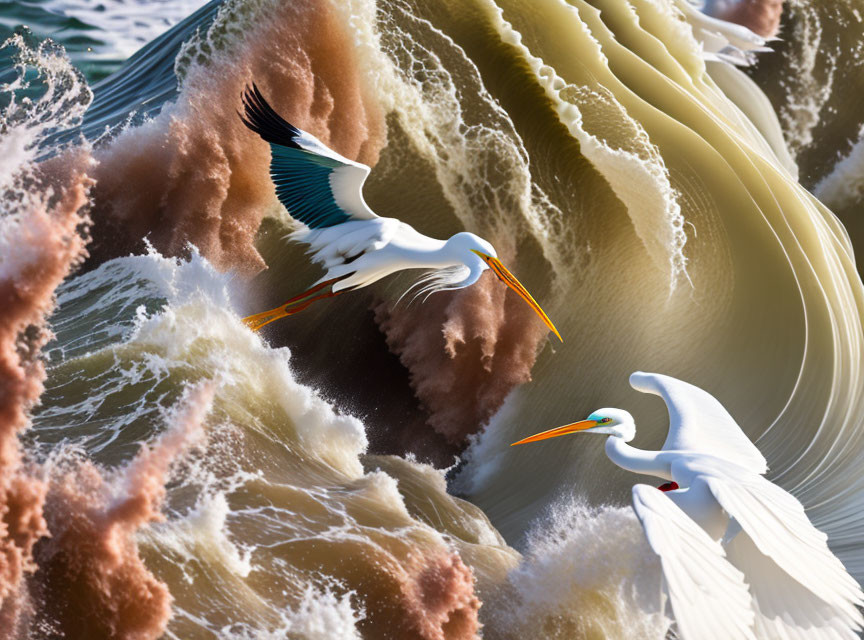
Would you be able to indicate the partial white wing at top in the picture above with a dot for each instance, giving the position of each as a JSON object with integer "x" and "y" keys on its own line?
{"x": 708, "y": 595}
{"x": 699, "y": 423}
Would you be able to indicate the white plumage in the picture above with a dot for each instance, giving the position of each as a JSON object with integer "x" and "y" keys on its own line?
{"x": 323, "y": 191}
{"x": 709, "y": 595}
{"x": 740, "y": 557}
{"x": 722, "y": 40}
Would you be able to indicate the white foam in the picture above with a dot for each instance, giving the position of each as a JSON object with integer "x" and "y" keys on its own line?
{"x": 196, "y": 328}
{"x": 24, "y": 122}
{"x": 587, "y": 572}
{"x": 631, "y": 164}
{"x": 464, "y": 140}
{"x": 321, "y": 615}
{"x": 844, "y": 186}
{"x": 203, "y": 531}
{"x": 807, "y": 89}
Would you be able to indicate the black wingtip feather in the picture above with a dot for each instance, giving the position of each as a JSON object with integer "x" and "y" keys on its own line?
{"x": 260, "y": 117}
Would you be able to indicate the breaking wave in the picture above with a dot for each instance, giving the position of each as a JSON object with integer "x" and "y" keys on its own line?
{"x": 239, "y": 486}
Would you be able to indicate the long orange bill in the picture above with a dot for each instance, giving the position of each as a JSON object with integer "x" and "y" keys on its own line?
{"x": 510, "y": 280}
{"x": 582, "y": 425}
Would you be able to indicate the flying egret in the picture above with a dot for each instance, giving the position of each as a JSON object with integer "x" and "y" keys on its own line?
{"x": 324, "y": 191}
{"x": 719, "y": 526}
{"x": 722, "y": 40}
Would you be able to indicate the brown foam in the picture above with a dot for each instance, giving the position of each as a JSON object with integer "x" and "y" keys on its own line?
{"x": 48, "y": 246}
{"x": 428, "y": 595}
{"x": 463, "y": 372}
{"x": 197, "y": 174}
{"x": 86, "y": 579}
{"x": 440, "y": 599}
{"x": 91, "y": 581}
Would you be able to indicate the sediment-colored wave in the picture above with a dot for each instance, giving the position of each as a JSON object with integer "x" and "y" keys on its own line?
{"x": 39, "y": 244}
{"x": 195, "y": 174}
{"x": 476, "y": 347}
{"x": 90, "y": 580}
{"x": 644, "y": 196}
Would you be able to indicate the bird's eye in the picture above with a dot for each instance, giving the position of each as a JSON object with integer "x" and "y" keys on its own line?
{"x": 604, "y": 420}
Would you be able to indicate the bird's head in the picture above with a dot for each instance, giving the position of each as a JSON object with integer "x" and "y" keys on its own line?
{"x": 612, "y": 422}
{"x": 467, "y": 243}
{"x": 479, "y": 255}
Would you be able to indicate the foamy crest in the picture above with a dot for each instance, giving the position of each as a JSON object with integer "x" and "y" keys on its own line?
{"x": 39, "y": 244}
{"x": 142, "y": 282}
{"x": 321, "y": 615}
{"x": 809, "y": 85}
{"x": 197, "y": 323}
{"x": 203, "y": 532}
{"x": 423, "y": 77}
{"x": 195, "y": 173}
{"x": 64, "y": 97}
{"x": 586, "y": 572}
{"x": 619, "y": 147}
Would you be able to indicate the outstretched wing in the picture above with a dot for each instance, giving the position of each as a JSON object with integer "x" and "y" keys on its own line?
{"x": 708, "y": 595}
{"x": 318, "y": 187}
{"x": 784, "y": 608}
{"x": 789, "y": 564}
{"x": 699, "y": 423}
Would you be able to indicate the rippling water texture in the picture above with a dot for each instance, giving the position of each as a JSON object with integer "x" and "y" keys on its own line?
{"x": 346, "y": 474}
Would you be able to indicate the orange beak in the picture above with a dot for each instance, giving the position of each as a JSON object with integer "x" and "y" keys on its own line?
{"x": 510, "y": 280}
{"x": 582, "y": 425}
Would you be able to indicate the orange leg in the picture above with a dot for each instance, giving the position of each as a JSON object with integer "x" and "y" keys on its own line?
{"x": 292, "y": 306}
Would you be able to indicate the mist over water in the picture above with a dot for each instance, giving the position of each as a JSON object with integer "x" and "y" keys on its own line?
{"x": 347, "y": 473}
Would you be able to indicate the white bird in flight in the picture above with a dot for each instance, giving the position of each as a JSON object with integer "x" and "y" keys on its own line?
{"x": 740, "y": 558}
{"x": 721, "y": 40}
{"x": 324, "y": 191}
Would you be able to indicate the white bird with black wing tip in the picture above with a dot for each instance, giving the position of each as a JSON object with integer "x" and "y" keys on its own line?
{"x": 324, "y": 191}
{"x": 740, "y": 558}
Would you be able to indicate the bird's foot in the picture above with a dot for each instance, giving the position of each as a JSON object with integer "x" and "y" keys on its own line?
{"x": 294, "y": 305}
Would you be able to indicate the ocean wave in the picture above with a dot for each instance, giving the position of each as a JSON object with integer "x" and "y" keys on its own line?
{"x": 661, "y": 221}
{"x": 268, "y": 436}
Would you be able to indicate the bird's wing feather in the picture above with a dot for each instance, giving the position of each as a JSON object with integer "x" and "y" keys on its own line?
{"x": 332, "y": 247}
{"x": 699, "y": 423}
{"x": 318, "y": 187}
{"x": 784, "y": 609}
{"x": 776, "y": 523}
{"x": 708, "y": 595}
